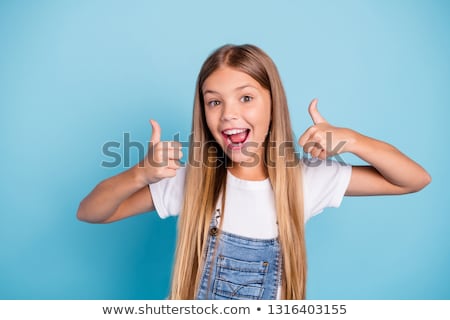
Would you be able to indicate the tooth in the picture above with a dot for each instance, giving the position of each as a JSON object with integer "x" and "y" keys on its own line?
{"x": 234, "y": 131}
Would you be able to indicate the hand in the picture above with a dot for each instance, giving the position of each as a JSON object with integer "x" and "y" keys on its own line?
{"x": 163, "y": 157}
{"x": 322, "y": 140}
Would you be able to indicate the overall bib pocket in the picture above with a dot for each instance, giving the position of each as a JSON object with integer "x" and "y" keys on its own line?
{"x": 238, "y": 279}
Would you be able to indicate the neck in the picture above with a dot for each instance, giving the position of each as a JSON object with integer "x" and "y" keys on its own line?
{"x": 243, "y": 172}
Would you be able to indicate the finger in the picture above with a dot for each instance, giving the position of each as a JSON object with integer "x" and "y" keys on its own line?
{"x": 302, "y": 140}
{"x": 306, "y": 136}
{"x": 169, "y": 173}
{"x": 156, "y": 132}
{"x": 322, "y": 155}
{"x": 175, "y": 154}
{"x": 169, "y": 148}
{"x": 170, "y": 145}
{"x": 314, "y": 113}
{"x": 175, "y": 144}
{"x": 173, "y": 164}
{"x": 310, "y": 146}
{"x": 316, "y": 152}
{"x": 161, "y": 154}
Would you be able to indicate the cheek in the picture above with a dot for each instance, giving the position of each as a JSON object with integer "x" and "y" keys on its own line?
{"x": 263, "y": 120}
{"x": 212, "y": 123}
{"x": 209, "y": 119}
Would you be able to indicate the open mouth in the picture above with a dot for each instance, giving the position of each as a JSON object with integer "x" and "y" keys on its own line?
{"x": 235, "y": 138}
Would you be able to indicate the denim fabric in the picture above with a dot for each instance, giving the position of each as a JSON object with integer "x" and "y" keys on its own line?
{"x": 241, "y": 268}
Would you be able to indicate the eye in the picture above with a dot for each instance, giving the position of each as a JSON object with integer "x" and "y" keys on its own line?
{"x": 246, "y": 99}
{"x": 213, "y": 103}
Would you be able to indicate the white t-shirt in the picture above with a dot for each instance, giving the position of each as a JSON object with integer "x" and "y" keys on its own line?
{"x": 250, "y": 206}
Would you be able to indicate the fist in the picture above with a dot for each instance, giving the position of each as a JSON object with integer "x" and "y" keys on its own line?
{"x": 163, "y": 157}
{"x": 322, "y": 140}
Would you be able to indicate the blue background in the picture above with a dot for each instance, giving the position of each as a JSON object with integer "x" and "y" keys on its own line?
{"x": 77, "y": 74}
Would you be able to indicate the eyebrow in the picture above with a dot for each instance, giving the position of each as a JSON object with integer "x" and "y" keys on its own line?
{"x": 236, "y": 89}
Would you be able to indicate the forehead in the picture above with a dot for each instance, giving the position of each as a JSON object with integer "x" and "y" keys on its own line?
{"x": 227, "y": 79}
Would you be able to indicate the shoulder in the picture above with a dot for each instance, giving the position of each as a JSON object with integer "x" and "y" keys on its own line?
{"x": 316, "y": 170}
{"x": 324, "y": 184}
{"x": 167, "y": 194}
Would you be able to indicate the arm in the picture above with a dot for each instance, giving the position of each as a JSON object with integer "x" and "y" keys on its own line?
{"x": 127, "y": 193}
{"x": 389, "y": 171}
{"x": 115, "y": 198}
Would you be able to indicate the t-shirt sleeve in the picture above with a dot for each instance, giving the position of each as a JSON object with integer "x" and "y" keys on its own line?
{"x": 167, "y": 194}
{"x": 324, "y": 185}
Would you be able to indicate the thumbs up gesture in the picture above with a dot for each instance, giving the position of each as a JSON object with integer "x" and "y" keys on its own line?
{"x": 162, "y": 159}
{"x": 322, "y": 140}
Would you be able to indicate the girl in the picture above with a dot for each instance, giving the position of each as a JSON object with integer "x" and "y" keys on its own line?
{"x": 244, "y": 195}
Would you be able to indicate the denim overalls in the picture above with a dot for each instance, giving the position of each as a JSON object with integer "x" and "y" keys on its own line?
{"x": 243, "y": 268}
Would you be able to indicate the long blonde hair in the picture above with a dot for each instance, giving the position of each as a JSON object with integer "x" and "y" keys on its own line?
{"x": 206, "y": 176}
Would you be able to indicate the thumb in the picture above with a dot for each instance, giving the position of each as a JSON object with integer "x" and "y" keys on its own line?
{"x": 314, "y": 113}
{"x": 156, "y": 132}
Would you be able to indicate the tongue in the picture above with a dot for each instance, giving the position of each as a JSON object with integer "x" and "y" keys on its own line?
{"x": 238, "y": 137}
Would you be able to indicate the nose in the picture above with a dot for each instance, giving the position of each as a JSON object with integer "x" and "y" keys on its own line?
{"x": 230, "y": 112}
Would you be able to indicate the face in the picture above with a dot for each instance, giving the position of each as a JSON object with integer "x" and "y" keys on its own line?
{"x": 238, "y": 114}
